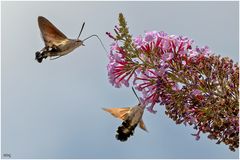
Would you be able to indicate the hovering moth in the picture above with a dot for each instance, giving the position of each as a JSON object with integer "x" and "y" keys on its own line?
{"x": 56, "y": 43}
{"x": 131, "y": 117}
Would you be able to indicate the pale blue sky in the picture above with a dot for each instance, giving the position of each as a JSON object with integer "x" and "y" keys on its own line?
{"x": 53, "y": 109}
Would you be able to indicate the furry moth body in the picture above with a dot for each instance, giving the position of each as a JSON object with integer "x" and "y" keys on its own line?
{"x": 56, "y": 43}
{"x": 131, "y": 117}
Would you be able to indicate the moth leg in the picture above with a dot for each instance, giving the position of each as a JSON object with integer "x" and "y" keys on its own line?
{"x": 55, "y": 58}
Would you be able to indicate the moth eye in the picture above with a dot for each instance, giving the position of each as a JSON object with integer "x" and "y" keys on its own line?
{"x": 50, "y": 49}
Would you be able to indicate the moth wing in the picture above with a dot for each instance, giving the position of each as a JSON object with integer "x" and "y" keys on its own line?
{"x": 120, "y": 113}
{"x": 50, "y": 34}
{"x": 142, "y": 125}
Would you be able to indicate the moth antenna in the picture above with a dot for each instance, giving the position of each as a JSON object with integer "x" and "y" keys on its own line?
{"x": 94, "y": 35}
{"x": 136, "y": 95}
{"x": 81, "y": 30}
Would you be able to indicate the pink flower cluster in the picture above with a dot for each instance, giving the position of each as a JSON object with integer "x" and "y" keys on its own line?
{"x": 148, "y": 69}
{"x": 196, "y": 87}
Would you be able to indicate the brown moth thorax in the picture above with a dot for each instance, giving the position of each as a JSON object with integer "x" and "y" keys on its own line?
{"x": 72, "y": 44}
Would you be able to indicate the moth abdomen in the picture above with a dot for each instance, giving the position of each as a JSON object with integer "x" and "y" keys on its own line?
{"x": 47, "y": 52}
{"x": 40, "y": 55}
{"x": 125, "y": 131}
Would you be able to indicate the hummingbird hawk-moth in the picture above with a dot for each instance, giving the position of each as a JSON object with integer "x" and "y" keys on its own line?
{"x": 131, "y": 117}
{"x": 56, "y": 43}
